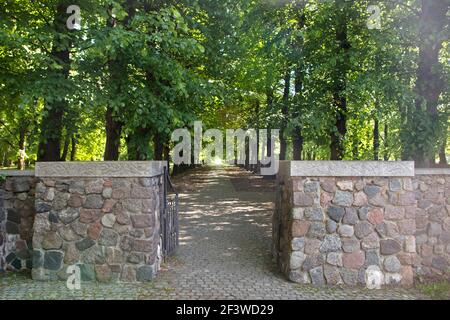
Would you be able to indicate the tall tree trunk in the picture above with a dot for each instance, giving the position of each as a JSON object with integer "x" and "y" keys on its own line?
{"x": 269, "y": 143}
{"x": 340, "y": 85}
{"x": 376, "y": 127}
{"x": 113, "y": 125}
{"x": 65, "y": 151}
{"x": 376, "y": 140}
{"x": 297, "y": 144}
{"x": 49, "y": 148}
{"x": 158, "y": 145}
{"x": 269, "y": 102}
{"x": 73, "y": 149}
{"x": 430, "y": 82}
{"x": 247, "y": 155}
{"x": 113, "y": 133}
{"x": 258, "y": 125}
{"x": 21, "y": 157}
{"x": 297, "y": 138}
{"x": 442, "y": 155}
{"x": 386, "y": 142}
{"x": 167, "y": 151}
{"x": 158, "y": 142}
{"x": 285, "y": 115}
{"x": 4, "y": 159}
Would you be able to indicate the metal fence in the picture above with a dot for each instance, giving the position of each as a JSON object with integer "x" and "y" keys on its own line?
{"x": 169, "y": 218}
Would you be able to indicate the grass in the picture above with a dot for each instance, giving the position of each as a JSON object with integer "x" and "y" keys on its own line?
{"x": 436, "y": 290}
{"x": 89, "y": 291}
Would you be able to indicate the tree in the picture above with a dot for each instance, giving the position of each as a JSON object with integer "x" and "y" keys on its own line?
{"x": 52, "y": 121}
{"x": 430, "y": 82}
{"x": 137, "y": 70}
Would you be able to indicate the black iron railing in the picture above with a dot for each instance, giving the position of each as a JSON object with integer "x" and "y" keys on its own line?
{"x": 169, "y": 218}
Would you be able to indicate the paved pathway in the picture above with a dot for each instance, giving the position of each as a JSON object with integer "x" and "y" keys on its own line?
{"x": 224, "y": 251}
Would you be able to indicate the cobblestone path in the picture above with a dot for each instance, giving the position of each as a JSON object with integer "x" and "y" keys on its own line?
{"x": 224, "y": 251}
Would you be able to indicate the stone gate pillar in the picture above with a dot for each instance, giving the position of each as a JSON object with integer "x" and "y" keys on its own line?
{"x": 335, "y": 220}
{"x": 100, "y": 216}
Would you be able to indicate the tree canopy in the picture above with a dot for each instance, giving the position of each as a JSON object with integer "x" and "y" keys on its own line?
{"x": 342, "y": 80}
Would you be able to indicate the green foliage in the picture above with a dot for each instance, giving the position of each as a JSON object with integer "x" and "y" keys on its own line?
{"x": 160, "y": 65}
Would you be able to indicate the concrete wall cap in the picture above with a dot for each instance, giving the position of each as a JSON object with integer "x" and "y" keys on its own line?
{"x": 433, "y": 171}
{"x": 114, "y": 169}
{"x": 347, "y": 168}
{"x": 17, "y": 173}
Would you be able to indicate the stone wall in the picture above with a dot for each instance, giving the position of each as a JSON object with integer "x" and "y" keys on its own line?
{"x": 101, "y": 218}
{"x": 334, "y": 220}
{"x": 16, "y": 219}
{"x": 432, "y": 189}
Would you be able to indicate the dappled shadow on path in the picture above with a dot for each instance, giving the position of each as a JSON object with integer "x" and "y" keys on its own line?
{"x": 224, "y": 228}
{"x": 225, "y": 232}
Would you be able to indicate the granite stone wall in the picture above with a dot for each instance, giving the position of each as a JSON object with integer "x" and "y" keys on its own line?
{"x": 432, "y": 221}
{"x": 331, "y": 229}
{"x": 108, "y": 226}
{"x": 16, "y": 219}
{"x": 100, "y": 216}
